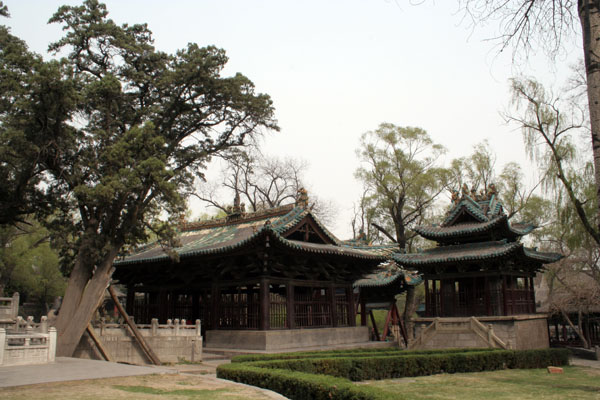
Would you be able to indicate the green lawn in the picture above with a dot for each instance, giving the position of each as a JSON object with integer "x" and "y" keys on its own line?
{"x": 575, "y": 383}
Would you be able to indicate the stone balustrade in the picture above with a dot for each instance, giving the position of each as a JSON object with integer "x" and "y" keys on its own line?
{"x": 28, "y": 343}
{"x": 9, "y": 308}
{"x": 172, "y": 342}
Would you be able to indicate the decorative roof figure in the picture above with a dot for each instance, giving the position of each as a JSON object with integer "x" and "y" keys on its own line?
{"x": 302, "y": 198}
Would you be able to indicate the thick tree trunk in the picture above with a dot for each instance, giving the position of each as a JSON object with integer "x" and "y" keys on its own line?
{"x": 590, "y": 25}
{"x": 409, "y": 309}
{"x": 82, "y": 298}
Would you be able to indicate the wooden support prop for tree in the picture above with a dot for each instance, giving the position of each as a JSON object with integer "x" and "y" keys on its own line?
{"x": 386, "y": 326}
{"x": 136, "y": 333}
{"x": 374, "y": 325}
{"x": 98, "y": 342}
{"x": 393, "y": 317}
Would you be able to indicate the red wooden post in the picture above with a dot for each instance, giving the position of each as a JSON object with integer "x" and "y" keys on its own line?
{"x": 386, "y": 326}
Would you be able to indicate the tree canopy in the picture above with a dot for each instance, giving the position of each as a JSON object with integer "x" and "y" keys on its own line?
{"x": 117, "y": 132}
{"x": 402, "y": 177}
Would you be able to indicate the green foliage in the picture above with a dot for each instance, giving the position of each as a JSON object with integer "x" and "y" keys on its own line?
{"x": 111, "y": 138}
{"x": 147, "y": 122}
{"x": 327, "y": 374}
{"x": 299, "y": 385}
{"x": 401, "y": 178}
{"x": 29, "y": 265}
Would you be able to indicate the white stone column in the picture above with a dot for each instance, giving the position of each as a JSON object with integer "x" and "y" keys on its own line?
{"x": 15, "y": 304}
{"x": 2, "y": 344}
{"x": 51, "y": 344}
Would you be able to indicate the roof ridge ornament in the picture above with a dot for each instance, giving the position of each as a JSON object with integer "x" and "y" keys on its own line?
{"x": 302, "y": 198}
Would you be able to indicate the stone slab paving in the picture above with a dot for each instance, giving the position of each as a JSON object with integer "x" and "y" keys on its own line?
{"x": 70, "y": 369}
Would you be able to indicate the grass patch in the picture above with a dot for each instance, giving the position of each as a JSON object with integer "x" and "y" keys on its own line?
{"x": 148, "y": 387}
{"x": 575, "y": 383}
{"x": 204, "y": 393}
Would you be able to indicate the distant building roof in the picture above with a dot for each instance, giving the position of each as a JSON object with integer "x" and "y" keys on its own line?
{"x": 475, "y": 231}
{"x": 291, "y": 226}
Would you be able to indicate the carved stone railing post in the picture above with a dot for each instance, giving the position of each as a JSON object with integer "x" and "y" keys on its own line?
{"x": 154, "y": 327}
{"x": 2, "y": 344}
{"x": 176, "y": 333}
{"x": 15, "y": 304}
{"x": 44, "y": 324}
{"x": 198, "y": 328}
{"x": 51, "y": 344}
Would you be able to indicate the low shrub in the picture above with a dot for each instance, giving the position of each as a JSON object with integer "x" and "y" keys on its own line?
{"x": 322, "y": 375}
{"x": 300, "y": 385}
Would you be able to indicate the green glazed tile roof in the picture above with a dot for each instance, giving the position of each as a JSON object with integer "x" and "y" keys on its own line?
{"x": 222, "y": 236}
{"x": 466, "y": 229}
{"x": 474, "y": 252}
{"x": 388, "y": 275}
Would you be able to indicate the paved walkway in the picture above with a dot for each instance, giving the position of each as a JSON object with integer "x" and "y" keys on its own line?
{"x": 582, "y": 362}
{"x": 71, "y": 369}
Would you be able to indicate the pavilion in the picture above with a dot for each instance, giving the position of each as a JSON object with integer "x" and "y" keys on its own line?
{"x": 480, "y": 273}
{"x": 256, "y": 280}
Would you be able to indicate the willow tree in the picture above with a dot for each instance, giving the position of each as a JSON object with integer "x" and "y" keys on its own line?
{"x": 402, "y": 179}
{"x": 544, "y": 24}
{"x": 401, "y": 174}
{"x": 136, "y": 128}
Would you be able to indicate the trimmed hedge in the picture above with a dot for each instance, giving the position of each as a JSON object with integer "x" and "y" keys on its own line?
{"x": 362, "y": 352}
{"x": 327, "y": 377}
{"x": 300, "y": 385}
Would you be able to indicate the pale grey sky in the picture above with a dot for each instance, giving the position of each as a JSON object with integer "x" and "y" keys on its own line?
{"x": 336, "y": 69}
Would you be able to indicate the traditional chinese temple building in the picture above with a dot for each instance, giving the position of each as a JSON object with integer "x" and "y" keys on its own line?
{"x": 479, "y": 278}
{"x": 256, "y": 280}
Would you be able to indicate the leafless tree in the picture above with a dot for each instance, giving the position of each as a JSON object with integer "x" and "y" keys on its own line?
{"x": 261, "y": 182}
{"x": 544, "y": 24}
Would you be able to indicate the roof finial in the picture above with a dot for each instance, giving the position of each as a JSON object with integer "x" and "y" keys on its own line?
{"x": 302, "y": 198}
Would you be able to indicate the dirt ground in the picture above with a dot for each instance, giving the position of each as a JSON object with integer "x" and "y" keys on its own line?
{"x": 172, "y": 386}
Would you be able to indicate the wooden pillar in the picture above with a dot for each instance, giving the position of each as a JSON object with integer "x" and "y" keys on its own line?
{"x": 214, "y": 306}
{"x": 504, "y": 294}
{"x": 448, "y": 298}
{"x": 333, "y": 305}
{"x": 351, "y": 306}
{"x": 363, "y": 310}
{"x": 532, "y": 294}
{"x": 427, "y": 299}
{"x": 474, "y": 310}
{"x": 486, "y": 296}
{"x": 195, "y": 306}
{"x": 130, "y": 301}
{"x": 290, "y": 306}
{"x": 163, "y": 306}
{"x": 265, "y": 305}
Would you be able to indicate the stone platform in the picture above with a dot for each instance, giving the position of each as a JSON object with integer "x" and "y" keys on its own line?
{"x": 284, "y": 340}
{"x": 517, "y": 332}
